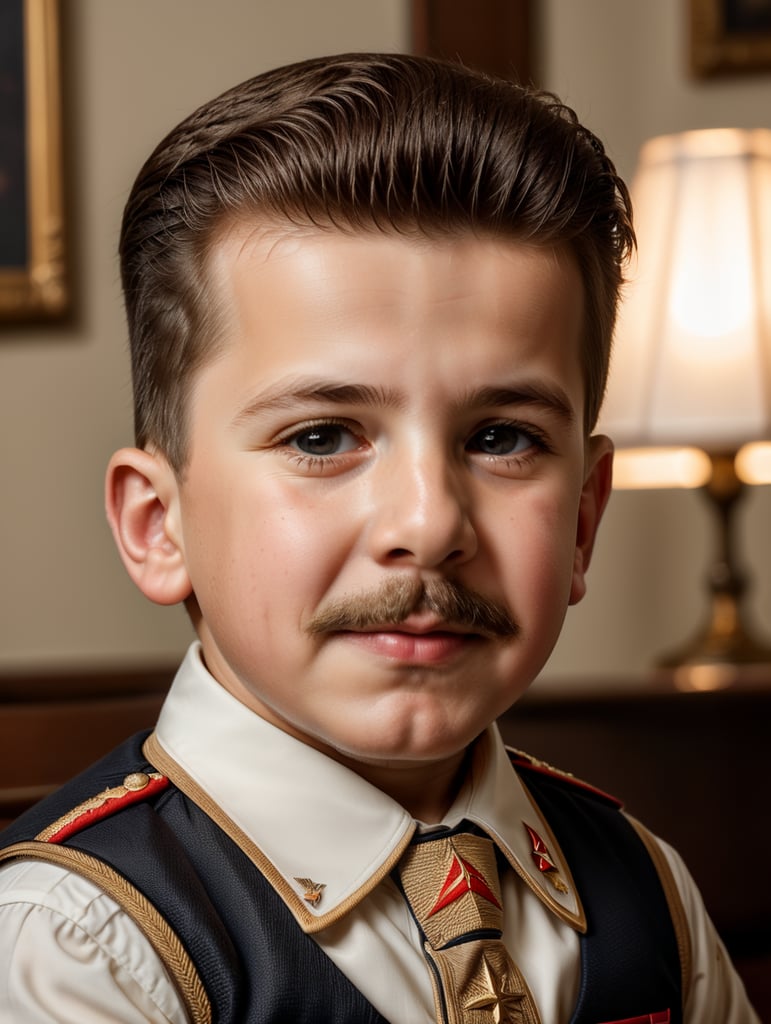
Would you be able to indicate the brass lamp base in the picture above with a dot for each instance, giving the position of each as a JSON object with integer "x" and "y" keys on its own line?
{"x": 715, "y": 659}
{"x": 725, "y": 649}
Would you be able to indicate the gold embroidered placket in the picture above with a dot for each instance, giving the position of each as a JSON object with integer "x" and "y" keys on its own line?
{"x": 453, "y": 889}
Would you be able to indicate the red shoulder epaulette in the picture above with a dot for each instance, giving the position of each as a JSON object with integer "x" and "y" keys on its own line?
{"x": 522, "y": 760}
{"x": 135, "y": 787}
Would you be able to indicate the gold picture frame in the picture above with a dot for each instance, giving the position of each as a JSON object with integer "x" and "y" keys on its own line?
{"x": 729, "y": 36}
{"x": 32, "y": 262}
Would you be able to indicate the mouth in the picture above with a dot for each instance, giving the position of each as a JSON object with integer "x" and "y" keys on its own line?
{"x": 416, "y": 641}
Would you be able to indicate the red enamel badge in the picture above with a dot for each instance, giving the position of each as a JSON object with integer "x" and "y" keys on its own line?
{"x": 543, "y": 861}
{"x": 462, "y": 877}
{"x": 540, "y": 850}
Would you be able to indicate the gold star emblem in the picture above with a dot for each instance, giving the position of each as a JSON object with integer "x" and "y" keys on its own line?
{"x": 497, "y": 999}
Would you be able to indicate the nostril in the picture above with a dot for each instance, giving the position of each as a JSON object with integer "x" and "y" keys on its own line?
{"x": 399, "y": 553}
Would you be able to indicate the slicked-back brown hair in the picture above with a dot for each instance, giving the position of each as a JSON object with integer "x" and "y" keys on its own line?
{"x": 358, "y": 143}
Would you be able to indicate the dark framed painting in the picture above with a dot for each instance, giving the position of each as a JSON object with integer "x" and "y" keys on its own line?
{"x": 730, "y": 36}
{"x": 32, "y": 264}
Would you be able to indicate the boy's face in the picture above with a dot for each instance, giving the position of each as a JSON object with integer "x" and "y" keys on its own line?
{"x": 386, "y": 412}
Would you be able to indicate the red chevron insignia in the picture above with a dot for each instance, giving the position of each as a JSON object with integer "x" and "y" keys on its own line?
{"x": 462, "y": 877}
{"x": 135, "y": 787}
{"x": 541, "y": 854}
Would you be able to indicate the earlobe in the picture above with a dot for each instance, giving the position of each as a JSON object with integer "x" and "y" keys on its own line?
{"x": 142, "y": 503}
{"x": 594, "y": 498}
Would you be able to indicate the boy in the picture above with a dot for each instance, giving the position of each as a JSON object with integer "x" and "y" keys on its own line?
{"x": 370, "y": 301}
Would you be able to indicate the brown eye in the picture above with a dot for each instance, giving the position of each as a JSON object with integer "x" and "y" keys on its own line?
{"x": 324, "y": 439}
{"x": 500, "y": 439}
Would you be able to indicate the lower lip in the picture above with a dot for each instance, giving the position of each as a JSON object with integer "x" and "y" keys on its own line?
{"x": 412, "y": 648}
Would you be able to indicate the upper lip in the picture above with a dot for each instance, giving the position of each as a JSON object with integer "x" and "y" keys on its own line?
{"x": 416, "y": 625}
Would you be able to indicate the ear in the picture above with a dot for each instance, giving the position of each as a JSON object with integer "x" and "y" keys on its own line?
{"x": 594, "y": 498}
{"x": 142, "y": 502}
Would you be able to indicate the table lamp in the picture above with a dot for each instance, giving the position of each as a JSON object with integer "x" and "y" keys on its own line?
{"x": 689, "y": 396}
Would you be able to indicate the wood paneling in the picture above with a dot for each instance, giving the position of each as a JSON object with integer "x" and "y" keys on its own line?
{"x": 51, "y": 727}
{"x": 491, "y": 35}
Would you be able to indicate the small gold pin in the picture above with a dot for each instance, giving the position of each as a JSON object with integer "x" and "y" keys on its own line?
{"x": 136, "y": 782}
{"x": 313, "y": 890}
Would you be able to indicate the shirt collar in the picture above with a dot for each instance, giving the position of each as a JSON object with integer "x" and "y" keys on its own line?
{"x": 322, "y": 835}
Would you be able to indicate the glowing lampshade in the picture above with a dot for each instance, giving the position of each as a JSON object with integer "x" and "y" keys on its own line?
{"x": 692, "y": 364}
{"x": 689, "y": 398}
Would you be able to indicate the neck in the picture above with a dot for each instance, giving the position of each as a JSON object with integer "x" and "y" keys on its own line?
{"x": 426, "y": 791}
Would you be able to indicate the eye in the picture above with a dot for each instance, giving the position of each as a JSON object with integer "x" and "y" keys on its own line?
{"x": 324, "y": 439}
{"x": 502, "y": 439}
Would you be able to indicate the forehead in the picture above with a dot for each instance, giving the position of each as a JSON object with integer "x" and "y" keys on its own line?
{"x": 299, "y": 300}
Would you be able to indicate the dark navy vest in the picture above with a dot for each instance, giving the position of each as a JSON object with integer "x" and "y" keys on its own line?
{"x": 259, "y": 967}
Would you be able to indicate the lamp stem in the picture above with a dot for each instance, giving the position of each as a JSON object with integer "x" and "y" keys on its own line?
{"x": 725, "y": 639}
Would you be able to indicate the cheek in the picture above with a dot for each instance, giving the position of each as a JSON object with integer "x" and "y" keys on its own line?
{"x": 539, "y": 555}
{"x": 266, "y": 552}
{"x": 303, "y": 538}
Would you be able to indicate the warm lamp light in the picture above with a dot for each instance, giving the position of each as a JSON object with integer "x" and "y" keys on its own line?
{"x": 689, "y": 399}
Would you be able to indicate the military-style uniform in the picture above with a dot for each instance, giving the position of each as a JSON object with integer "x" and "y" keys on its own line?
{"x": 234, "y": 948}
{"x": 246, "y": 941}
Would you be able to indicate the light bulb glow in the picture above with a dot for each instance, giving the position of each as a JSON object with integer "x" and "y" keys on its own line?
{"x": 753, "y": 463}
{"x": 712, "y": 292}
{"x": 637, "y": 468}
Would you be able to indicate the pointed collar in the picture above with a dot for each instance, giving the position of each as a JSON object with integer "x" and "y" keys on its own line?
{"x": 496, "y": 799}
{"x": 322, "y": 835}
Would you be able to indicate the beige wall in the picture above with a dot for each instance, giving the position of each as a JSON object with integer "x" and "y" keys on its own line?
{"x": 133, "y": 70}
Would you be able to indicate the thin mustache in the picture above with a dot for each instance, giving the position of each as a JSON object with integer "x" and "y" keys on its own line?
{"x": 398, "y": 598}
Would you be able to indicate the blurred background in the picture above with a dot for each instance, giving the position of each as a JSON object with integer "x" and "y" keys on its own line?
{"x": 130, "y": 72}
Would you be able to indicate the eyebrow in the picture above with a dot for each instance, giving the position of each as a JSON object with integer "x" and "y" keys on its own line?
{"x": 539, "y": 394}
{"x": 319, "y": 391}
{"x": 316, "y": 391}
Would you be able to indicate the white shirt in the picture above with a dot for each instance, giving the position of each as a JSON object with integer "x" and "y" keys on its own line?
{"x": 69, "y": 955}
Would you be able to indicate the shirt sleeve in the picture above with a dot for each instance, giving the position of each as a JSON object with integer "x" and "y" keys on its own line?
{"x": 716, "y": 994}
{"x": 70, "y": 955}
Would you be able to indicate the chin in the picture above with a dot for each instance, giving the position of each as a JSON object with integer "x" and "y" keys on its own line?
{"x": 407, "y": 745}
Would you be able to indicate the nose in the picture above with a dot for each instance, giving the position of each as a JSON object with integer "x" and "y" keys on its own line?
{"x": 421, "y": 513}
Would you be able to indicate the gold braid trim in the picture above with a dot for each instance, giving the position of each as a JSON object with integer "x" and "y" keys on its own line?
{"x": 94, "y": 803}
{"x": 155, "y": 927}
{"x": 675, "y": 903}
